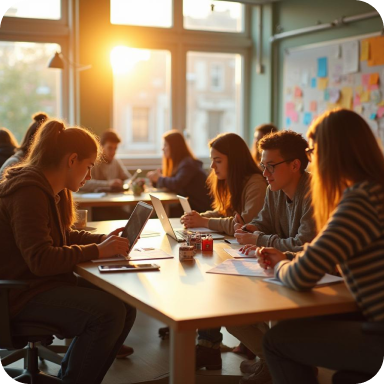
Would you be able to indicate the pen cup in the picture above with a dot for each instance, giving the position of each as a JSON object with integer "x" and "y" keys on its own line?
{"x": 81, "y": 221}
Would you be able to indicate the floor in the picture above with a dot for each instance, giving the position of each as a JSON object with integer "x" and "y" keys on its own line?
{"x": 151, "y": 360}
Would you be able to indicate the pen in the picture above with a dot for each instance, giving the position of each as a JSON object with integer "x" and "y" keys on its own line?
{"x": 244, "y": 228}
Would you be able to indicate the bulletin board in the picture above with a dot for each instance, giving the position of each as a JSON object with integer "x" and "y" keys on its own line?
{"x": 346, "y": 73}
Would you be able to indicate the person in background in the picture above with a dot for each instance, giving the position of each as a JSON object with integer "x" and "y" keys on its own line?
{"x": 260, "y": 132}
{"x": 348, "y": 199}
{"x": 182, "y": 173}
{"x": 40, "y": 247}
{"x": 8, "y": 144}
{"x": 236, "y": 185}
{"x": 285, "y": 222}
{"x": 22, "y": 151}
{"x": 238, "y": 189}
{"x": 110, "y": 173}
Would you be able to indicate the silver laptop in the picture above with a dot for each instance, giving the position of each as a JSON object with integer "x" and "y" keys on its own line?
{"x": 179, "y": 234}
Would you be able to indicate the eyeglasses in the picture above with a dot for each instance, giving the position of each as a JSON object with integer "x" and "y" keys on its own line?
{"x": 271, "y": 167}
{"x": 309, "y": 153}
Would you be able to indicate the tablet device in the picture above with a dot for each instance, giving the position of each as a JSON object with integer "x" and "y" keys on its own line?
{"x": 184, "y": 203}
{"x": 136, "y": 223}
{"x": 129, "y": 268}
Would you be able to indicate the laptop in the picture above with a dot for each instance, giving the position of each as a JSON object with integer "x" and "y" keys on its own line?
{"x": 179, "y": 234}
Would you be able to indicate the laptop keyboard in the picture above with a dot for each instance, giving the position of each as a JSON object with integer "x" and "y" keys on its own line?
{"x": 182, "y": 235}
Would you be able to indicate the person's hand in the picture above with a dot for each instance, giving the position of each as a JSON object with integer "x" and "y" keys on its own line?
{"x": 115, "y": 183}
{"x": 113, "y": 245}
{"x": 193, "y": 219}
{"x": 248, "y": 249}
{"x": 238, "y": 221}
{"x": 115, "y": 232}
{"x": 243, "y": 237}
{"x": 269, "y": 257}
{"x": 153, "y": 176}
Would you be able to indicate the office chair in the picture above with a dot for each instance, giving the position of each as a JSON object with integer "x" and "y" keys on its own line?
{"x": 16, "y": 335}
{"x": 350, "y": 377}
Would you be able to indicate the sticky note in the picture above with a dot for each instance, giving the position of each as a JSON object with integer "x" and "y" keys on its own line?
{"x": 322, "y": 67}
{"x": 365, "y": 96}
{"x": 365, "y": 79}
{"x": 374, "y": 79}
{"x": 364, "y": 54}
{"x": 373, "y": 87}
{"x": 313, "y": 82}
{"x": 373, "y": 116}
{"x": 376, "y": 96}
{"x": 334, "y": 95}
{"x": 376, "y": 51}
{"x": 298, "y": 92}
{"x": 380, "y": 112}
{"x": 358, "y": 109}
{"x": 359, "y": 89}
{"x": 356, "y": 100}
{"x": 288, "y": 122}
{"x": 289, "y": 106}
{"x": 307, "y": 118}
{"x": 322, "y": 83}
{"x": 295, "y": 117}
{"x": 346, "y": 97}
{"x": 326, "y": 95}
{"x": 313, "y": 106}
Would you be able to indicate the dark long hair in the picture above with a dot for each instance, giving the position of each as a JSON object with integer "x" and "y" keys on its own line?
{"x": 38, "y": 120}
{"x": 226, "y": 194}
{"x": 179, "y": 150}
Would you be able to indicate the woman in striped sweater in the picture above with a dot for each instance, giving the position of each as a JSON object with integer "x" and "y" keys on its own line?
{"x": 348, "y": 199}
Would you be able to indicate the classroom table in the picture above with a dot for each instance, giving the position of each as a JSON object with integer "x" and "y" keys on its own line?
{"x": 185, "y": 297}
{"x": 122, "y": 199}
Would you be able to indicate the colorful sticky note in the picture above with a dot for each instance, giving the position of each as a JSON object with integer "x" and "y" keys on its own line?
{"x": 358, "y": 109}
{"x": 298, "y": 92}
{"x": 365, "y": 79}
{"x": 326, "y": 95}
{"x": 313, "y": 82}
{"x": 373, "y": 87}
{"x": 364, "y": 54}
{"x": 313, "y": 106}
{"x": 307, "y": 118}
{"x": 365, "y": 96}
{"x": 334, "y": 95}
{"x": 290, "y": 106}
{"x": 322, "y": 67}
{"x": 374, "y": 79}
{"x": 346, "y": 97}
{"x": 359, "y": 89}
{"x": 373, "y": 116}
{"x": 356, "y": 100}
{"x": 295, "y": 117}
{"x": 322, "y": 83}
{"x": 376, "y": 96}
{"x": 288, "y": 122}
{"x": 376, "y": 51}
{"x": 380, "y": 112}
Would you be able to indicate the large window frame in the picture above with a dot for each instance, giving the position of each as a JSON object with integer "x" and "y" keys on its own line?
{"x": 61, "y": 32}
{"x": 179, "y": 42}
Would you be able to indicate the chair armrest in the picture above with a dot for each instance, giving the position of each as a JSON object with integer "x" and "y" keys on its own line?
{"x": 13, "y": 284}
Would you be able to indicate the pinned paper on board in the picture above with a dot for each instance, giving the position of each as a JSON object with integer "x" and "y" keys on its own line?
{"x": 364, "y": 48}
{"x": 380, "y": 112}
{"x": 298, "y": 92}
{"x": 326, "y": 95}
{"x": 334, "y": 95}
{"x": 322, "y": 83}
{"x": 374, "y": 79}
{"x": 322, "y": 67}
{"x": 351, "y": 57}
{"x": 376, "y": 96}
{"x": 358, "y": 109}
{"x": 356, "y": 100}
{"x": 313, "y": 106}
{"x": 305, "y": 78}
{"x": 376, "y": 51}
{"x": 359, "y": 89}
{"x": 288, "y": 122}
{"x": 346, "y": 97}
{"x": 365, "y": 96}
{"x": 373, "y": 87}
{"x": 307, "y": 118}
{"x": 313, "y": 82}
{"x": 337, "y": 73}
{"x": 365, "y": 79}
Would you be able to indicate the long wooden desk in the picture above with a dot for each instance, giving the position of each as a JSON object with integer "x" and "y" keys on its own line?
{"x": 185, "y": 297}
{"x": 123, "y": 199}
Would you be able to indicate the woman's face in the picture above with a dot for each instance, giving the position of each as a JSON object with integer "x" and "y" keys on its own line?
{"x": 166, "y": 150}
{"x": 219, "y": 163}
{"x": 80, "y": 172}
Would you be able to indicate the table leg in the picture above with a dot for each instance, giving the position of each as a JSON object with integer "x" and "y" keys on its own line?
{"x": 182, "y": 359}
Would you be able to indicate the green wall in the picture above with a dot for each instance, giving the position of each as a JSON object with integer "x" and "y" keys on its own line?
{"x": 291, "y": 15}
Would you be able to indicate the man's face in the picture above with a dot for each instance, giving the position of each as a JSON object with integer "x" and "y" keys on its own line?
{"x": 109, "y": 150}
{"x": 282, "y": 174}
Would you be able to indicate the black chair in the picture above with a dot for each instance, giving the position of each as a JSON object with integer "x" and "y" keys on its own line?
{"x": 16, "y": 335}
{"x": 350, "y": 377}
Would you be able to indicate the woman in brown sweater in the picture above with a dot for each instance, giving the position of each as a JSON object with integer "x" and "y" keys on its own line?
{"x": 40, "y": 247}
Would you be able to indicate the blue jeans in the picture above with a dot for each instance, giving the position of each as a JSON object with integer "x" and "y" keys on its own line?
{"x": 97, "y": 321}
{"x": 293, "y": 347}
{"x": 210, "y": 337}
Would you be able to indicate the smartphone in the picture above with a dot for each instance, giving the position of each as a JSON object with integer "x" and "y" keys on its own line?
{"x": 129, "y": 268}
{"x": 185, "y": 203}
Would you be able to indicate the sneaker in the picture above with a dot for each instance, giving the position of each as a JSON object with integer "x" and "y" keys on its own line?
{"x": 262, "y": 376}
{"x": 124, "y": 351}
{"x": 208, "y": 358}
{"x": 250, "y": 366}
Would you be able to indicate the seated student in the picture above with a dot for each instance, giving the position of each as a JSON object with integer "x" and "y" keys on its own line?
{"x": 22, "y": 151}
{"x": 110, "y": 173}
{"x": 182, "y": 172}
{"x": 260, "y": 132}
{"x": 236, "y": 185}
{"x": 8, "y": 144}
{"x": 39, "y": 246}
{"x": 286, "y": 221}
{"x": 348, "y": 198}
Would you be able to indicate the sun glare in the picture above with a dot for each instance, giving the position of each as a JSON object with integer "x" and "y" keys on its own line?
{"x": 124, "y": 59}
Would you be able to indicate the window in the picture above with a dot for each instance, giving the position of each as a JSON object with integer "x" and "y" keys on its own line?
{"x": 142, "y": 99}
{"x": 217, "y": 108}
{"x": 37, "y": 9}
{"x": 150, "y": 13}
{"x": 27, "y": 85}
{"x": 220, "y": 16}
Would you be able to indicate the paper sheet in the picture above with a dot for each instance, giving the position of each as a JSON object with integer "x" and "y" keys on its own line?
{"x": 238, "y": 255}
{"x": 241, "y": 268}
{"x": 351, "y": 57}
{"x": 92, "y": 195}
{"x": 139, "y": 254}
{"x": 325, "y": 280}
{"x": 322, "y": 67}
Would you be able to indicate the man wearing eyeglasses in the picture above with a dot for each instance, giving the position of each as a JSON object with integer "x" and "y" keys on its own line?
{"x": 285, "y": 223}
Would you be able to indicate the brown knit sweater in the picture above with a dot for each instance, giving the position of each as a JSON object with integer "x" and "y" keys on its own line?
{"x": 33, "y": 245}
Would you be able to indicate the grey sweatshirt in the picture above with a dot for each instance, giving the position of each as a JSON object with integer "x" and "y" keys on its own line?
{"x": 284, "y": 224}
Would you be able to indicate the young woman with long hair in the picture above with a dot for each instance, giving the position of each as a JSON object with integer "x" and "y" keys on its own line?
{"x": 236, "y": 185}
{"x": 348, "y": 199}
{"x": 40, "y": 247}
{"x": 182, "y": 173}
{"x": 8, "y": 144}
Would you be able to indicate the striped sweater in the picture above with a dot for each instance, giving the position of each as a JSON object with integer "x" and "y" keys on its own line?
{"x": 354, "y": 239}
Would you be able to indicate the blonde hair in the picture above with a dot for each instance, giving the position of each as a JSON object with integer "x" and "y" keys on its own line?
{"x": 346, "y": 152}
